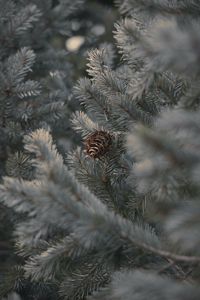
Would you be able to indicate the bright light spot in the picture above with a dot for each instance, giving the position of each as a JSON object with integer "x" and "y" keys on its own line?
{"x": 98, "y": 29}
{"x": 74, "y": 43}
{"x": 75, "y": 25}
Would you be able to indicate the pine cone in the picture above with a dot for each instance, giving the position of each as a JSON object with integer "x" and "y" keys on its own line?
{"x": 98, "y": 143}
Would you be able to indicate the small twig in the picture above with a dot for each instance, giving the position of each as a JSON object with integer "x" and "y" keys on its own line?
{"x": 169, "y": 255}
{"x": 167, "y": 266}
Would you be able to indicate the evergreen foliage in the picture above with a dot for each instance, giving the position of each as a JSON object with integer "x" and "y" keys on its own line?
{"x": 27, "y": 29}
{"x": 30, "y": 96}
{"x": 35, "y": 87}
{"x": 125, "y": 224}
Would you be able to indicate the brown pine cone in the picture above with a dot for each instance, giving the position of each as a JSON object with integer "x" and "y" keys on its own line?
{"x": 98, "y": 143}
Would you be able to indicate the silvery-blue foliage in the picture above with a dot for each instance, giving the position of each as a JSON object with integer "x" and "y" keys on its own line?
{"x": 125, "y": 225}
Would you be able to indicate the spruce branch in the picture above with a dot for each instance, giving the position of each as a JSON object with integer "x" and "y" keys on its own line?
{"x": 19, "y": 64}
{"x": 23, "y": 20}
{"x": 143, "y": 284}
{"x": 173, "y": 7}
